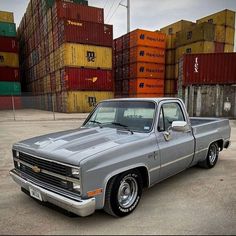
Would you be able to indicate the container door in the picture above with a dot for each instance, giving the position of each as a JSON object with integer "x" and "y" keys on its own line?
{"x": 176, "y": 150}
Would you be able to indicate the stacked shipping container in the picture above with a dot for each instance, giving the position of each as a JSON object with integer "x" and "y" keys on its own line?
{"x": 139, "y": 64}
{"x": 69, "y": 56}
{"x": 214, "y": 33}
{"x": 170, "y": 76}
{"x": 9, "y": 62}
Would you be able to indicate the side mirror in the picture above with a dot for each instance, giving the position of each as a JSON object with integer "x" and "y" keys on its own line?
{"x": 180, "y": 126}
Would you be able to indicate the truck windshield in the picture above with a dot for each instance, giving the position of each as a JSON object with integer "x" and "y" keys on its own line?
{"x": 130, "y": 115}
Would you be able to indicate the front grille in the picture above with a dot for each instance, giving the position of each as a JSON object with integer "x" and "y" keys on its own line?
{"x": 47, "y": 178}
{"x": 46, "y": 165}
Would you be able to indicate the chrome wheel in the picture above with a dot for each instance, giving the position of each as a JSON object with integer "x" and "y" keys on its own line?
{"x": 127, "y": 192}
{"x": 212, "y": 154}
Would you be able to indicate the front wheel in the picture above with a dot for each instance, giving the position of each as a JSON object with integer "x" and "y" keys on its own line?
{"x": 123, "y": 193}
{"x": 212, "y": 157}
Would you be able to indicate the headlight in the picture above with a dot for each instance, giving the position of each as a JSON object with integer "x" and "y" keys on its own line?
{"x": 75, "y": 172}
{"x": 15, "y": 153}
{"x": 76, "y": 187}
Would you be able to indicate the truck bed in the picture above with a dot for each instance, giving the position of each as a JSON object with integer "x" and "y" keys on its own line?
{"x": 206, "y": 131}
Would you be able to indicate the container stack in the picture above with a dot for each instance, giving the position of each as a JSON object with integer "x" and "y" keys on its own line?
{"x": 9, "y": 62}
{"x": 209, "y": 81}
{"x": 171, "y": 76}
{"x": 66, "y": 54}
{"x": 139, "y": 64}
{"x": 211, "y": 34}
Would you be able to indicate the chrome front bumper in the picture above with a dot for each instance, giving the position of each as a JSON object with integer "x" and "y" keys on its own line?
{"x": 80, "y": 207}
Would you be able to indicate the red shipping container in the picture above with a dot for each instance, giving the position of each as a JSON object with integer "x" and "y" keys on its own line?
{"x": 85, "y": 32}
{"x": 9, "y": 74}
{"x": 8, "y": 44}
{"x": 6, "y": 102}
{"x": 86, "y": 79}
{"x": 73, "y": 11}
{"x": 209, "y": 68}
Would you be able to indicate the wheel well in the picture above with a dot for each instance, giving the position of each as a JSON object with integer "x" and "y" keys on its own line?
{"x": 144, "y": 173}
{"x": 220, "y": 144}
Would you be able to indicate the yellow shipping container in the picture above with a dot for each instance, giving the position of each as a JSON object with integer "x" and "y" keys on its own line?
{"x": 225, "y": 17}
{"x": 170, "y": 86}
{"x": 83, "y": 101}
{"x": 58, "y": 81}
{"x": 176, "y": 70}
{"x": 229, "y": 48}
{"x": 170, "y": 72}
{"x": 176, "y": 27}
{"x": 78, "y": 55}
{"x": 52, "y": 64}
{"x": 170, "y": 56}
{"x": 50, "y": 42}
{"x": 9, "y": 59}
{"x": 6, "y": 17}
{"x": 198, "y": 47}
{"x": 224, "y": 34}
{"x": 171, "y": 41}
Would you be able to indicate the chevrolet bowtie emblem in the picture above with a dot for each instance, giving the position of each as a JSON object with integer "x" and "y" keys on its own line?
{"x": 36, "y": 169}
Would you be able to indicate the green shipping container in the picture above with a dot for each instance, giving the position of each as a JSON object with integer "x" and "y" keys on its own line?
{"x": 10, "y": 88}
{"x": 7, "y": 29}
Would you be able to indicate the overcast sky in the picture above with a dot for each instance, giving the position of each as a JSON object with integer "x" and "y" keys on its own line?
{"x": 146, "y": 14}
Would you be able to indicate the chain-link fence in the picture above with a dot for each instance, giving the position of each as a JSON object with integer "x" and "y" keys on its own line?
{"x": 30, "y": 107}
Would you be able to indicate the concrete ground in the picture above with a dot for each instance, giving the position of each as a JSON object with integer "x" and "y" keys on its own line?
{"x": 196, "y": 201}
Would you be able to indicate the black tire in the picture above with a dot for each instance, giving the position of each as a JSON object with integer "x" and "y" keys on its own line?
{"x": 118, "y": 185}
{"x": 211, "y": 160}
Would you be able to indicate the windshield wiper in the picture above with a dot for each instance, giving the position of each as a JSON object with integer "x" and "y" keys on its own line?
{"x": 96, "y": 122}
{"x": 121, "y": 125}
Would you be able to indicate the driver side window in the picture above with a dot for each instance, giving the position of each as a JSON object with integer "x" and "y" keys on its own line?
{"x": 169, "y": 112}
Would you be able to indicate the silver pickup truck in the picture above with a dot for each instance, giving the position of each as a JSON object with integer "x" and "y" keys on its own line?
{"x": 124, "y": 145}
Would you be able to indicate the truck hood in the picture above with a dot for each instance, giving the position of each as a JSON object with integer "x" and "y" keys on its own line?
{"x": 73, "y": 146}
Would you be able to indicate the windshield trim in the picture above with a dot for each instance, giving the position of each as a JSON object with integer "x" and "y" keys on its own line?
{"x": 145, "y": 132}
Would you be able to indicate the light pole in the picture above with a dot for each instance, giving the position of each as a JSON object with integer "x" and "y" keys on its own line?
{"x": 128, "y": 14}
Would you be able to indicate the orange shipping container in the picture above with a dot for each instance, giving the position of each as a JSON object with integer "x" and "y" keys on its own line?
{"x": 141, "y": 86}
{"x": 147, "y": 54}
{"x": 147, "y": 38}
{"x": 146, "y": 70}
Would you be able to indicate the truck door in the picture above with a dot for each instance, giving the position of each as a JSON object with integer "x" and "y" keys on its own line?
{"x": 176, "y": 150}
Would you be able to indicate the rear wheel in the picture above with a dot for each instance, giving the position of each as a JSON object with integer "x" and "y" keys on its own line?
{"x": 123, "y": 193}
{"x": 212, "y": 157}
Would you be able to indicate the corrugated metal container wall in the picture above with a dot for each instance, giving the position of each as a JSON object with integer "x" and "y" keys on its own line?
{"x": 171, "y": 41}
{"x": 225, "y": 17}
{"x": 83, "y": 101}
{"x": 79, "y": 55}
{"x": 217, "y": 68}
{"x": 6, "y": 102}
{"x": 10, "y": 88}
{"x": 146, "y": 95}
{"x": 170, "y": 86}
{"x": 146, "y": 54}
{"x": 9, "y": 59}
{"x": 9, "y": 74}
{"x": 176, "y": 27}
{"x": 144, "y": 70}
{"x": 170, "y": 56}
{"x": 170, "y": 72}
{"x": 8, "y": 44}
{"x": 6, "y": 17}
{"x": 84, "y": 79}
{"x": 202, "y": 32}
{"x": 198, "y": 47}
{"x": 7, "y": 29}
{"x": 140, "y": 86}
{"x": 77, "y": 12}
{"x": 85, "y": 32}
{"x": 147, "y": 38}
